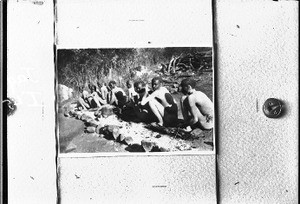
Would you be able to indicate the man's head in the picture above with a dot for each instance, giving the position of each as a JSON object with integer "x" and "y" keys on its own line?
{"x": 92, "y": 87}
{"x": 112, "y": 84}
{"x": 129, "y": 84}
{"x": 80, "y": 89}
{"x": 156, "y": 83}
{"x": 187, "y": 85}
{"x": 140, "y": 87}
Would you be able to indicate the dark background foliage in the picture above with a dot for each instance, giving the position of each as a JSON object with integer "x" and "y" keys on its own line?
{"x": 79, "y": 67}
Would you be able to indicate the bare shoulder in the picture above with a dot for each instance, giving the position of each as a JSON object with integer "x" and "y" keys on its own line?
{"x": 183, "y": 97}
{"x": 159, "y": 92}
{"x": 163, "y": 90}
{"x": 199, "y": 95}
{"x": 192, "y": 98}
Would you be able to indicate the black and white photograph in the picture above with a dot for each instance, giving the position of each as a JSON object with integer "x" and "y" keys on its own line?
{"x": 130, "y": 100}
{"x": 139, "y": 101}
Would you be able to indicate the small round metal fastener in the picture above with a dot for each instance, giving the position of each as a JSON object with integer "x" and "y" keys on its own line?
{"x": 272, "y": 108}
{"x": 9, "y": 106}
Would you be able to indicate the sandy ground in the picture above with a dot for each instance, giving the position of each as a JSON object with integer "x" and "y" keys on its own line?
{"x": 74, "y": 139}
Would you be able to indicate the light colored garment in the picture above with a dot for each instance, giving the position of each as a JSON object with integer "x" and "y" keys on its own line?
{"x": 131, "y": 93}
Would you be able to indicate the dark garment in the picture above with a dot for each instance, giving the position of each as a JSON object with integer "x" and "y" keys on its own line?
{"x": 147, "y": 115}
{"x": 171, "y": 116}
{"x": 92, "y": 102}
{"x": 121, "y": 99}
{"x": 170, "y": 113}
{"x": 142, "y": 113}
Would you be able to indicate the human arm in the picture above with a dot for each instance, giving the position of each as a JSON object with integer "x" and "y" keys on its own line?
{"x": 148, "y": 97}
{"x": 83, "y": 103}
{"x": 104, "y": 93}
{"x": 195, "y": 112}
{"x": 111, "y": 98}
{"x": 96, "y": 98}
{"x": 184, "y": 111}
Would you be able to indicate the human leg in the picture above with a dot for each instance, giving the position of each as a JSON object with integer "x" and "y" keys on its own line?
{"x": 204, "y": 122}
{"x": 158, "y": 110}
{"x": 83, "y": 104}
{"x": 96, "y": 99}
{"x": 92, "y": 102}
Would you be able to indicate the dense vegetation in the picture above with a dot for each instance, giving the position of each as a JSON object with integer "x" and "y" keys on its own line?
{"x": 79, "y": 67}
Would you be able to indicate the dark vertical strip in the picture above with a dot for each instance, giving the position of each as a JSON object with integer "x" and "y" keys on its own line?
{"x": 216, "y": 98}
{"x": 4, "y": 111}
{"x": 55, "y": 103}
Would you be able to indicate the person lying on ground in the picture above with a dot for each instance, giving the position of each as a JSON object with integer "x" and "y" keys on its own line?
{"x": 116, "y": 95}
{"x": 197, "y": 108}
{"x": 162, "y": 104}
{"x": 131, "y": 91}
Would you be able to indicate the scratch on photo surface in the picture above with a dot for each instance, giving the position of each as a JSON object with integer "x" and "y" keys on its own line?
{"x": 256, "y": 105}
{"x": 232, "y": 34}
{"x": 43, "y": 110}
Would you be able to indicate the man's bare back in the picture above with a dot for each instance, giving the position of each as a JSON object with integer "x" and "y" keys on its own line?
{"x": 197, "y": 108}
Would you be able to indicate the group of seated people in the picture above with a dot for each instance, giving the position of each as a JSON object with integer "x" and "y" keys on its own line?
{"x": 156, "y": 105}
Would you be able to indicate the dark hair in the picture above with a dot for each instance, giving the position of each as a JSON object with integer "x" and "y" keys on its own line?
{"x": 80, "y": 89}
{"x": 188, "y": 81}
{"x": 128, "y": 82}
{"x": 93, "y": 87}
{"x": 112, "y": 82}
{"x": 137, "y": 83}
{"x": 159, "y": 79}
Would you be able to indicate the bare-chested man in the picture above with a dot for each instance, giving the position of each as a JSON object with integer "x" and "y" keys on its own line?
{"x": 83, "y": 102}
{"x": 96, "y": 96}
{"x": 103, "y": 90}
{"x": 86, "y": 100}
{"x": 131, "y": 91}
{"x": 142, "y": 113}
{"x": 162, "y": 104}
{"x": 197, "y": 108}
{"x": 116, "y": 95}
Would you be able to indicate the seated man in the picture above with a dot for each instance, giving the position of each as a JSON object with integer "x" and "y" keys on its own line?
{"x": 96, "y": 98}
{"x": 162, "y": 104}
{"x": 131, "y": 91}
{"x": 83, "y": 102}
{"x": 103, "y": 91}
{"x": 197, "y": 108}
{"x": 142, "y": 113}
{"x": 116, "y": 95}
